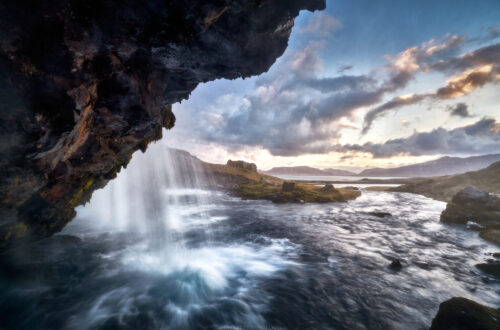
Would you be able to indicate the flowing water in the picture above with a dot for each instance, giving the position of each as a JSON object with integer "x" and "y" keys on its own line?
{"x": 156, "y": 250}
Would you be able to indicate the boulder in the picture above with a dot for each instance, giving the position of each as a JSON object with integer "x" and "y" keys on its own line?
{"x": 472, "y": 204}
{"x": 288, "y": 186}
{"x": 328, "y": 188}
{"x": 380, "y": 214}
{"x": 396, "y": 265}
{"x": 464, "y": 314}
{"x": 491, "y": 235}
{"x": 492, "y": 267}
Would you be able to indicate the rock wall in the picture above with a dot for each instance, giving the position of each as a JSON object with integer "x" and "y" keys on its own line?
{"x": 86, "y": 83}
{"x": 242, "y": 164}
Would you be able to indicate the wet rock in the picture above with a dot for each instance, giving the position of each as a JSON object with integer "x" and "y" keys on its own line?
{"x": 423, "y": 265}
{"x": 86, "y": 84}
{"x": 288, "y": 186}
{"x": 396, "y": 265}
{"x": 491, "y": 235}
{"x": 491, "y": 268}
{"x": 351, "y": 188}
{"x": 381, "y": 214}
{"x": 472, "y": 204}
{"x": 463, "y": 314}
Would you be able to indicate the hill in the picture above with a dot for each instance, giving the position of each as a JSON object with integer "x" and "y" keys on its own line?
{"x": 445, "y": 187}
{"x": 242, "y": 179}
{"x": 307, "y": 170}
{"x": 438, "y": 167}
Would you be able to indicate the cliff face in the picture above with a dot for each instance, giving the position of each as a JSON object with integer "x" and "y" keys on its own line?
{"x": 84, "y": 84}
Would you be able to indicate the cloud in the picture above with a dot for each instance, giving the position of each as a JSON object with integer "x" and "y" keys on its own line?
{"x": 344, "y": 68}
{"x": 479, "y": 138}
{"x": 479, "y": 68}
{"x": 296, "y": 109}
{"x": 459, "y": 110}
{"x": 322, "y": 24}
{"x": 470, "y": 80}
{"x": 395, "y": 103}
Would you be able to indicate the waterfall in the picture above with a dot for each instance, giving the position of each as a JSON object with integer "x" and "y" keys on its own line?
{"x": 167, "y": 242}
{"x": 152, "y": 196}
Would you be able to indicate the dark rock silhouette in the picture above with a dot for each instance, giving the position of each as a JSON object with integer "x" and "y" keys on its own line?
{"x": 84, "y": 84}
{"x": 381, "y": 214}
{"x": 396, "y": 265}
{"x": 464, "y": 314}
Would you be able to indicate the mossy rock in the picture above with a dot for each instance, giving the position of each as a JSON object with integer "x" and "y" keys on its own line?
{"x": 463, "y": 314}
{"x": 301, "y": 193}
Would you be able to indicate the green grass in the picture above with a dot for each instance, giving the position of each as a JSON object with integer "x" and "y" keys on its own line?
{"x": 302, "y": 193}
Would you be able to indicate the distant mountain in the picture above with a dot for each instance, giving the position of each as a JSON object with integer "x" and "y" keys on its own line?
{"x": 307, "y": 170}
{"x": 443, "y": 188}
{"x": 441, "y": 166}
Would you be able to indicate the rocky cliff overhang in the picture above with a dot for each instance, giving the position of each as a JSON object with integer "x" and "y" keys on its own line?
{"x": 85, "y": 83}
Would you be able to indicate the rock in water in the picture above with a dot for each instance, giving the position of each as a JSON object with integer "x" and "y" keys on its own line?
{"x": 380, "y": 214}
{"x": 87, "y": 83}
{"x": 491, "y": 268}
{"x": 328, "y": 188}
{"x": 463, "y": 314}
{"x": 396, "y": 265}
{"x": 472, "y": 204}
{"x": 491, "y": 235}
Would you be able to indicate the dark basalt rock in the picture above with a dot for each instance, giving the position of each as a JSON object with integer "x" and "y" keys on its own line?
{"x": 463, "y": 314}
{"x": 380, "y": 214}
{"x": 84, "y": 84}
{"x": 492, "y": 267}
{"x": 396, "y": 265}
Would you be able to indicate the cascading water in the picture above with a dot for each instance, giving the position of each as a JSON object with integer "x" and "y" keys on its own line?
{"x": 156, "y": 249}
{"x": 162, "y": 207}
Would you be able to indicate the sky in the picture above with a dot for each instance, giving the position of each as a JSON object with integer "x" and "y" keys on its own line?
{"x": 365, "y": 83}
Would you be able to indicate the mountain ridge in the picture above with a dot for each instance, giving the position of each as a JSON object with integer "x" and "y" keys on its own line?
{"x": 307, "y": 170}
{"x": 438, "y": 167}
{"x": 442, "y": 166}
